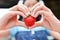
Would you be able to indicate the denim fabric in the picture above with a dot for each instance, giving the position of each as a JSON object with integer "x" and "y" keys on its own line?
{"x": 27, "y": 35}
{"x": 23, "y": 35}
{"x": 16, "y": 29}
{"x": 41, "y": 35}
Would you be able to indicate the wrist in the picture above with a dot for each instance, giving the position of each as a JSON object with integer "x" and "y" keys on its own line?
{"x": 54, "y": 18}
{"x": 55, "y": 23}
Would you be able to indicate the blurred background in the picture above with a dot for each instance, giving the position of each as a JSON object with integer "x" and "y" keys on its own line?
{"x": 54, "y": 5}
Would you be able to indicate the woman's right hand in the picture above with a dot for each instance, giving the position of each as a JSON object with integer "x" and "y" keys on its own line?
{"x": 10, "y": 19}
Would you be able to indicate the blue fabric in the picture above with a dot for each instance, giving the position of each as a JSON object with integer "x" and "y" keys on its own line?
{"x": 41, "y": 35}
{"x": 16, "y": 29}
{"x": 27, "y": 35}
{"x": 13, "y": 31}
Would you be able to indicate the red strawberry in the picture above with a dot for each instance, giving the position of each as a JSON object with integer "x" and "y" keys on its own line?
{"x": 29, "y": 21}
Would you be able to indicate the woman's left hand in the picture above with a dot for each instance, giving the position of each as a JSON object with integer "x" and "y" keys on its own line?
{"x": 48, "y": 19}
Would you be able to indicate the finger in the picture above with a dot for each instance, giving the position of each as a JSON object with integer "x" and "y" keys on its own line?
{"x": 37, "y": 4}
{"x": 32, "y": 9}
{"x": 40, "y": 7}
{"x": 20, "y": 23}
{"x": 14, "y": 8}
{"x": 42, "y": 12}
{"x": 46, "y": 24}
{"x": 36, "y": 24}
{"x": 40, "y": 22}
{"x": 21, "y": 8}
{"x": 26, "y": 10}
{"x": 47, "y": 14}
{"x": 11, "y": 14}
{"x": 44, "y": 17}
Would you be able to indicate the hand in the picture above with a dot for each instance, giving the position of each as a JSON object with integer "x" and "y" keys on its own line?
{"x": 48, "y": 18}
{"x": 55, "y": 34}
{"x": 10, "y": 19}
{"x": 21, "y": 8}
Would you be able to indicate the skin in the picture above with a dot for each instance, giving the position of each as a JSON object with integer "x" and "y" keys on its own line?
{"x": 50, "y": 21}
{"x": 30, "y": 3}
{"x": 10, "y": 19}
{"x": 7, "y": 22}
{"x": 55, "y": 34}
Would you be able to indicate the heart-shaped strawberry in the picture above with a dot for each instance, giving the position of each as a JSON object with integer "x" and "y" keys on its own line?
{"x": 29, "y": 21}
